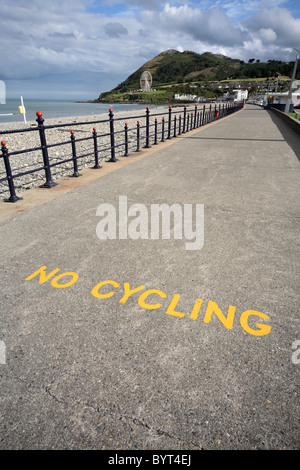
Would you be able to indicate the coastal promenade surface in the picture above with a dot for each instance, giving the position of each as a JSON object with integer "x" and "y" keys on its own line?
{"x": 89, "y": 367}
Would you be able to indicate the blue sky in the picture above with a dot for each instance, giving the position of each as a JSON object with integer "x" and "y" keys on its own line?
{"x": 77, "y": 49}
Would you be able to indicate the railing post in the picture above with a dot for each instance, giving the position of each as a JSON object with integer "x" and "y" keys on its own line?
{"x": 96, "y": 166}
{"x": 13, "y": 197}
{"x": 155, "y": 131}
{"x": 112, "y": 137}
{"x": 195, "y": 116}
{"x": 187, "y": 122}
{"x": 49, "y": 183}
{"x": 169, "y": 123}
{"x": 203, "y": 115}
{"x": 184, "y": 119}
{"x": 74, "y": 157}
{"x": 163, "y": 129}
{"x": 179, "y": 125}
{"x": 138, "y": 136}
{"x": 126, "y": 139}
{"x": 147, "y": 146}
{"x": 175, "y": 119}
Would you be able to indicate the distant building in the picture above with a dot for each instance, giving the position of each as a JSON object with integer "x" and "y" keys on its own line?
{"x": 278, "y": 100}
{"x": 261, "y": 99}
{"x": 238, "y": 95}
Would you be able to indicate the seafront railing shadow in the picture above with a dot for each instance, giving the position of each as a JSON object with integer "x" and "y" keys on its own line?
{"x": 238, "y": 139}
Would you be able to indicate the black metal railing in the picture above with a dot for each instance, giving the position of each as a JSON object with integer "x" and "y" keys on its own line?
{"x": 120, "y": 142}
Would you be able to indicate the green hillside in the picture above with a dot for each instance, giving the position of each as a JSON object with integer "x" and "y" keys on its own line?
{"x": 181, "y": 68}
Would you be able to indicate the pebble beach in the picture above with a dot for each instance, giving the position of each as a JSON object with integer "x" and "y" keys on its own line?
{"x": 82, "y": 126}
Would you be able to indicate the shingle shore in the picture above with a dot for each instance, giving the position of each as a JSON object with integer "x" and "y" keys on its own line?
{"x": 30, "y": 140}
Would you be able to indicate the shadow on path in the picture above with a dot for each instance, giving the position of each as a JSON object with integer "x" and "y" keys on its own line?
{"x": 229, "y": 138}
{"x": 289, "y": 135}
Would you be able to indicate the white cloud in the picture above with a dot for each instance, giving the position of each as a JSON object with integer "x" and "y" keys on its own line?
{"x": 267, "y": 35}
{"x": 280, "y": 20}
{"x": 151, "y": 4}
{"x": 212, "y": 26}
{"x": 115, "y": 29}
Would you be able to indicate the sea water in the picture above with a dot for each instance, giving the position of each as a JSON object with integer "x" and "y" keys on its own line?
{"x": 9, "y": 112}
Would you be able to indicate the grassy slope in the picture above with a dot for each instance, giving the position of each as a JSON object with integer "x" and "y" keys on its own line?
{"x": 176, "y": 68}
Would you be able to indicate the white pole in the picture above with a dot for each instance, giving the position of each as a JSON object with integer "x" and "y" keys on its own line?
{"x": 278, "y": 75}
{"x": 22, "y": 103}
{"x": 289, "y": 97}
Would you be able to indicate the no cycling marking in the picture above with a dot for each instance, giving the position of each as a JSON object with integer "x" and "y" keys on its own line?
{"x": 262, "y": 329}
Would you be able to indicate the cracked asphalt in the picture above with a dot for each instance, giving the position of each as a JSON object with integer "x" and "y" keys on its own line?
{"x": 84, "y": 371}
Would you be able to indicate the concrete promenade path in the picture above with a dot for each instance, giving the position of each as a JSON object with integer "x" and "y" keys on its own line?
{"x": 144, "y": 344}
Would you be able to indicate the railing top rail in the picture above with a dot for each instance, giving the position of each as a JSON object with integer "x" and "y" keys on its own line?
{"x": 73, "y": 124}
{"x": 15, "y": 131}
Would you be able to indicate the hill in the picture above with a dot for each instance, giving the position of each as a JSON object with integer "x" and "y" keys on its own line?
{"x": 178, "y": 69}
